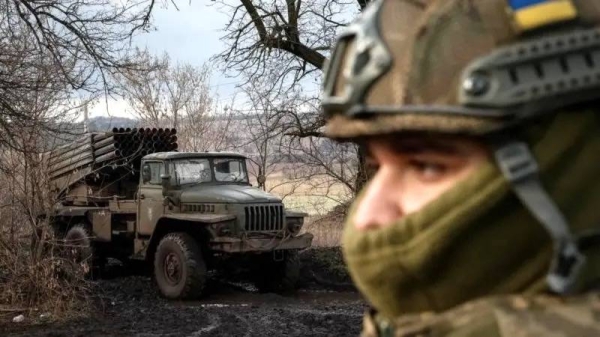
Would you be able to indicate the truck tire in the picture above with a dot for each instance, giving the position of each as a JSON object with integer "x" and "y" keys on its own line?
{"x": 78, "y": 247}
{"x": 179, "y": 269}
{"x": 278, "y": 276}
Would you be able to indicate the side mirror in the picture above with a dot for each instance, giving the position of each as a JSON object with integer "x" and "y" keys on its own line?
{"x": 165, "y": 181}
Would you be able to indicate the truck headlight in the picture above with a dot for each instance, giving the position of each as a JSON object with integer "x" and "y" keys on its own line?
{"x": 294, "y": 225}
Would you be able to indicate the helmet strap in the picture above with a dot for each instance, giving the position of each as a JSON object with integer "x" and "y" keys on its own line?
{"x": 519, "y": 167}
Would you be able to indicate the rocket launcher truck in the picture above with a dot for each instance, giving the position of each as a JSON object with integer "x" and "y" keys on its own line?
{"x": 129, "y": 195}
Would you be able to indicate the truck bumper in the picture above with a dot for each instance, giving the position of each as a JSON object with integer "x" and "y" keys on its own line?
{"x": 237, "y": 245}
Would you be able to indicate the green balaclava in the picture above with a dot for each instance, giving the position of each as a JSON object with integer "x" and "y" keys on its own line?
{"x": 477, "y": 239}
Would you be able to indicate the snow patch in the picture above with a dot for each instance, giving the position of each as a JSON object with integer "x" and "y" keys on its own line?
{"x": 220, "y": 305}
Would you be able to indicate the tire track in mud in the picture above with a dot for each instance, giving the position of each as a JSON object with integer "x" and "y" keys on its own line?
{"x": 308, "y": 313}
{"x": 214, "y": 321}
{"x": 130, "y": 306}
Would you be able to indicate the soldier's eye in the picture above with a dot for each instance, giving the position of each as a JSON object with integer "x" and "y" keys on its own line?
{"x": 429, "y": 170}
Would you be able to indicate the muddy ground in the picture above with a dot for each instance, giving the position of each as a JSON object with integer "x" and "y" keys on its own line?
{"x": 128, "y": 305}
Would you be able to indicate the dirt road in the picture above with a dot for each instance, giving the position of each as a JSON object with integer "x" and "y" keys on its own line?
{"x": 130, "y": 306}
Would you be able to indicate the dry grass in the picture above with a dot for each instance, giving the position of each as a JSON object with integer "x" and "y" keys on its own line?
{"x": 36, "y": 277}
{"x": 327, "y": 228}
{"x": 316, "y": 196}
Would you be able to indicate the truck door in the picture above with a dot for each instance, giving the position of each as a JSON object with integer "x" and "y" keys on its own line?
{"x": 150, "y": 198}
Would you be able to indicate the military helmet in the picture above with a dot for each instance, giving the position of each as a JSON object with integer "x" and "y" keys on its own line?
{"x": 460, "y": 66}
{"x": 474, "y": 67}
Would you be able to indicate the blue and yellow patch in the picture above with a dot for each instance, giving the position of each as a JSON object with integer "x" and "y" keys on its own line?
{"x": 531, "y": 14}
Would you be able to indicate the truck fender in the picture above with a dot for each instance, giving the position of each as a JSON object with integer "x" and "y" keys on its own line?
{"x": 181, "y": 223}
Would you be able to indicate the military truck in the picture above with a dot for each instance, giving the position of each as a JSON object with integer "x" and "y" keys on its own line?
{"x": 130, "y": 195}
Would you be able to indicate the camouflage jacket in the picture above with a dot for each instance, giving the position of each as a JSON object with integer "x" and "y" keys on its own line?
{"x": 514, "y": 316}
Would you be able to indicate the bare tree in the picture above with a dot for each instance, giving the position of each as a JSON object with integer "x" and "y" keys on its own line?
{"x": 91, "y": 36}
{"x": 328, "y": 169}
{"x": 211, "y": 131}
{"x": 290, "y": 41}
{"x": 67, "y": 48}
{"x": 292, "y": 35}
{"x": 261, "y": 129}
{"x": 178, "y": 96}
{"x": 162, "y": 95}
{"x": 32, "y": 275}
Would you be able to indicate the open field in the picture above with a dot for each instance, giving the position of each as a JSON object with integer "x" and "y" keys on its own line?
{"x": 327, "y": 229}
{"x": 316, "y": 195}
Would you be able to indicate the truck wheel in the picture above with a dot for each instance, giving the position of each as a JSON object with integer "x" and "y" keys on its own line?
{"x": 278, "y": 276}
{"x": 179, "y": 270}
{"x": 79, "y": 248}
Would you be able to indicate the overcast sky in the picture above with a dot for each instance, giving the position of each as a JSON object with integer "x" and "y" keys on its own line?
{"x": 189, "y": 35}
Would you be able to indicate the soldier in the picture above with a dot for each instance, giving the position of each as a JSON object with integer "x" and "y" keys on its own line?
{"x": 483, "y": 119}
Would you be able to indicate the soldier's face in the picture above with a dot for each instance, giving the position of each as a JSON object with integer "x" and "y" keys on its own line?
{"x": 411, "y": 172}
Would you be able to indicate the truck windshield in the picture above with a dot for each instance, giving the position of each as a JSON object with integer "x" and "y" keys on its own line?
{"x": 230, "y": 169}
{"x": 198, "y": 170}
{"x": 191, "y": 171}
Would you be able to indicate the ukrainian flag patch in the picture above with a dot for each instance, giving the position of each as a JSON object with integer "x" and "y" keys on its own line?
{"x": 531, "y": 14}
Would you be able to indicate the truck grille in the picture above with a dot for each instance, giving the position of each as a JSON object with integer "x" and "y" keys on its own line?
{"x": 264, "y": 218}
